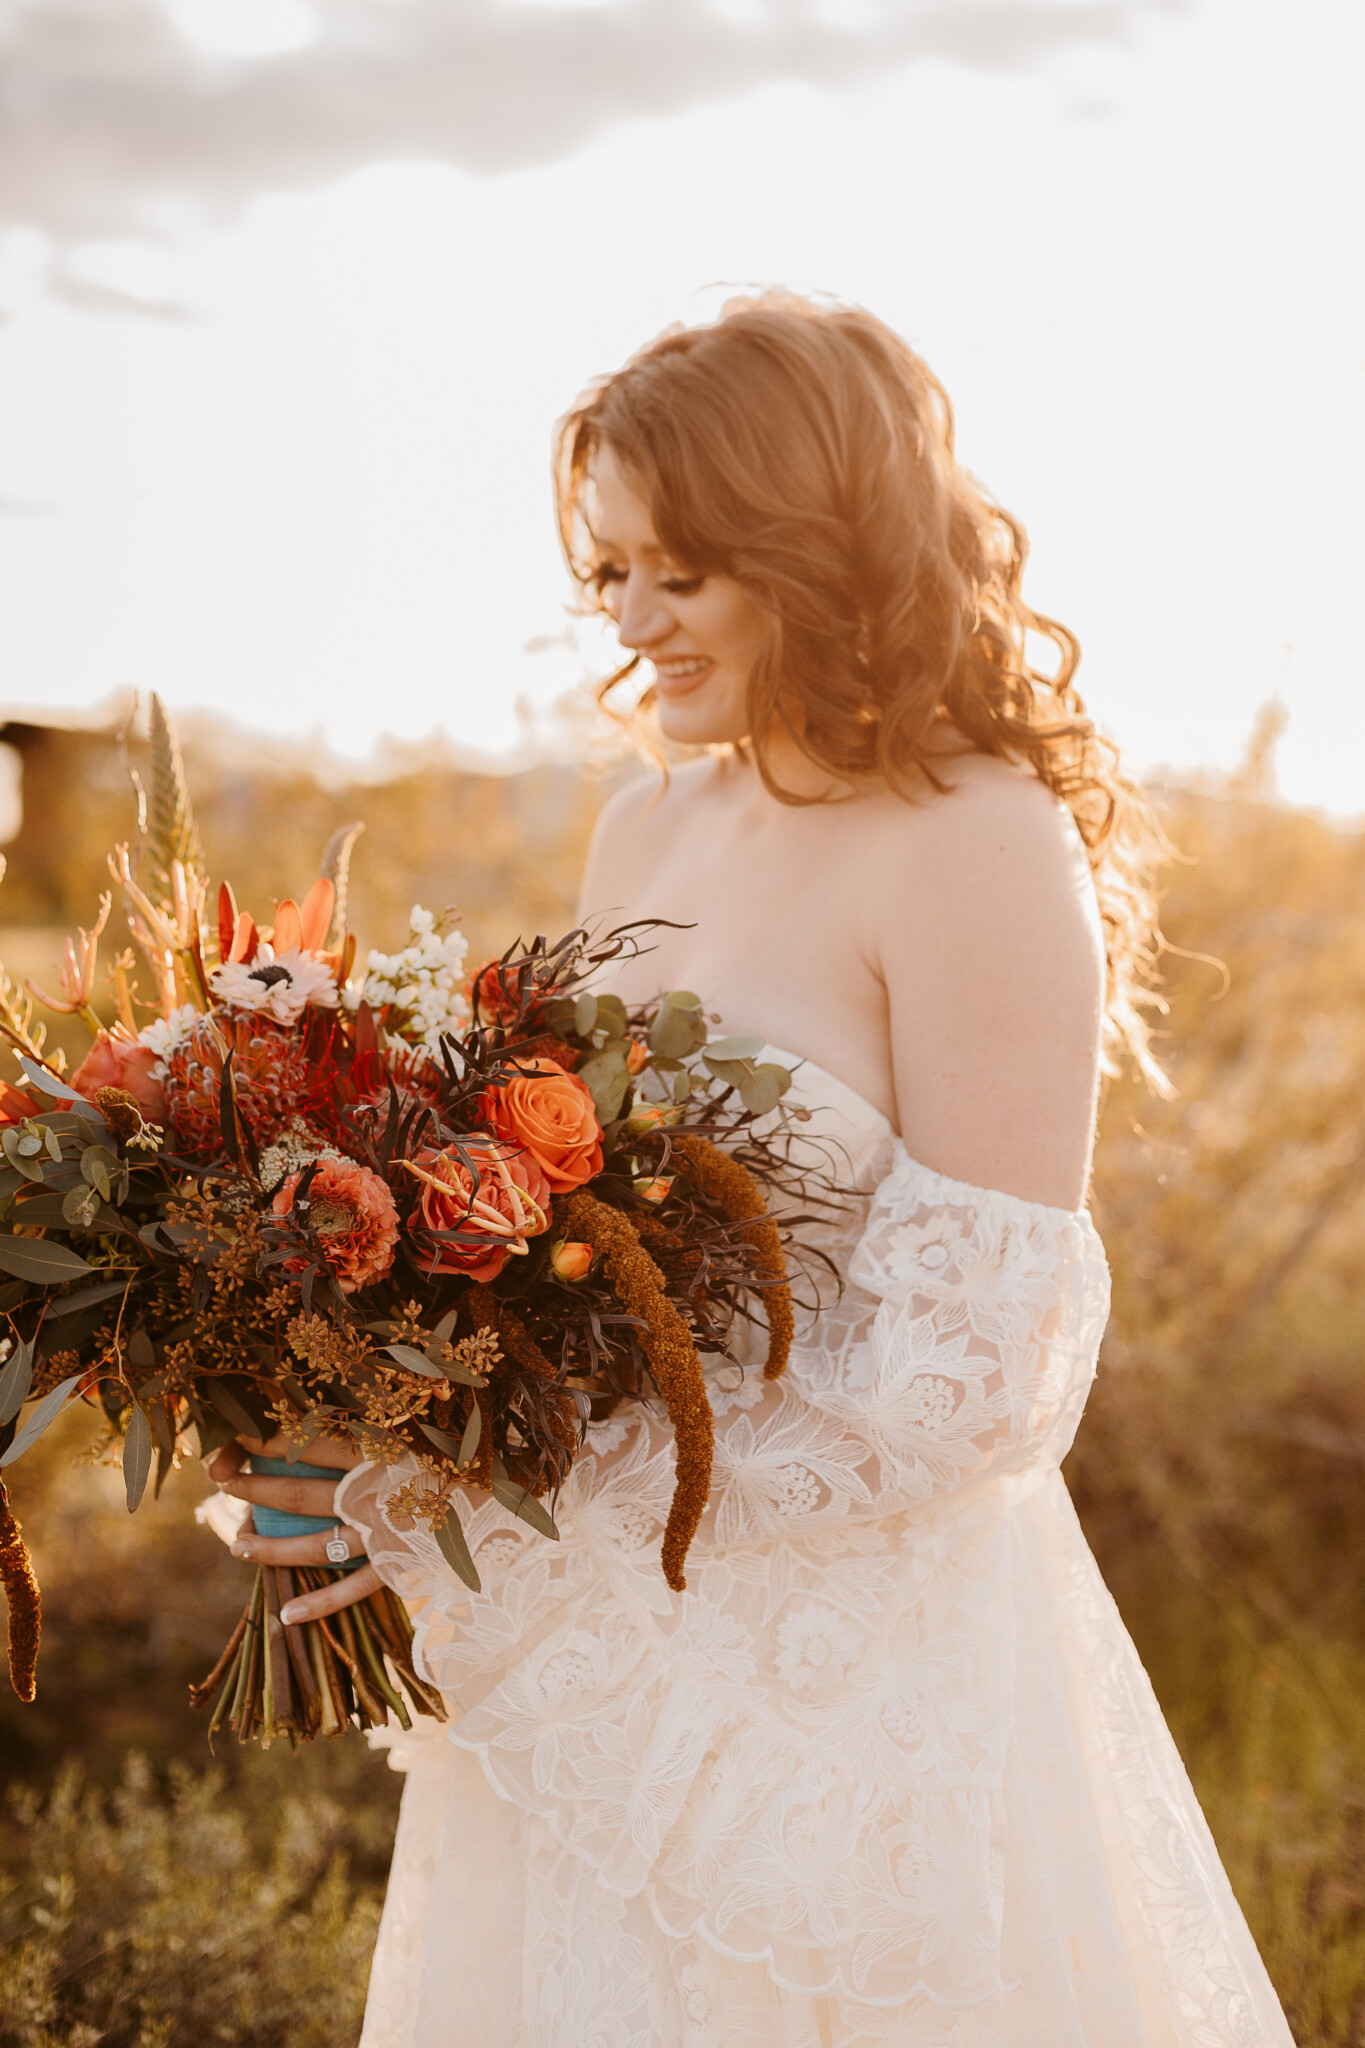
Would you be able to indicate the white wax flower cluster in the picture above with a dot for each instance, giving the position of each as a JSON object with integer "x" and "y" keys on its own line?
{"x": 165, "y": 1033}
{"x": 422, "y": 987}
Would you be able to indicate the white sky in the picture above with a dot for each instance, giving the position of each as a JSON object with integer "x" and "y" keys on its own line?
{"x": 320, "y": 503}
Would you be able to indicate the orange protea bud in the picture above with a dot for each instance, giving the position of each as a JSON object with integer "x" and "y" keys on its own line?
{"x": 571, "y": 1261}
{"x": 637, "y": 1055}
{"x": 651, "y": 1116}
{"x": 653, "y": 1187}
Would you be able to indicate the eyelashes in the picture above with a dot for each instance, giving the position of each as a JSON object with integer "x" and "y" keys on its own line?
{"x": 676, "y": 586}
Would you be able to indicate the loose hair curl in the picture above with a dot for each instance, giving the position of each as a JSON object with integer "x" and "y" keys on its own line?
{"x": 805, "y": 450}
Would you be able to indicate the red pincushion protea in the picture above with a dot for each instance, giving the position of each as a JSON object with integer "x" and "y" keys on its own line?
{"x": 352, "y": 1211}
{"x": 274, "y": 1081}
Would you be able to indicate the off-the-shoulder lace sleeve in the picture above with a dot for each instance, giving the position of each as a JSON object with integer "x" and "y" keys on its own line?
{"x": 961, "y": 1352}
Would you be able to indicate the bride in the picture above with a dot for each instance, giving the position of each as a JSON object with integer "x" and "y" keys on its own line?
{"x": 889, "y": 1771}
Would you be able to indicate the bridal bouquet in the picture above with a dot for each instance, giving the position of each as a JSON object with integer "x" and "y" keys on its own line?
{"x": 453, "y": 1220}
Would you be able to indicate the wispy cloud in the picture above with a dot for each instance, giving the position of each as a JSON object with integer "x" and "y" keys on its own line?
{"x": 113, "y": 119}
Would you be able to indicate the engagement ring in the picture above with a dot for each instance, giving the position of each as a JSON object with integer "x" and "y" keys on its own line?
{"x": 338, "y": 1551}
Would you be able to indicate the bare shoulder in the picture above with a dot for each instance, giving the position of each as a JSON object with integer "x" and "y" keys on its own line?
{"x": 996, "y": 840}
{"x": 637, "y": 819}
{"x": 989, "y": 946}
{"x": 650, "y": 796}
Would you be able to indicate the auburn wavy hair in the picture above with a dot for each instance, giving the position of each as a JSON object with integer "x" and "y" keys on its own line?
{"x": 805, "y": 450}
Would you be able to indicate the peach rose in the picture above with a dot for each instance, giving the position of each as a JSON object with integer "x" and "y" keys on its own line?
{"x": 354, "y": 1214}
{"x": 485, "y": 1215}
{"x": 551, "y": 1116}
{"x": 117, "y": 1061}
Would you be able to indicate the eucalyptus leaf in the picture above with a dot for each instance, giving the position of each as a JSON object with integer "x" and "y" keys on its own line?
{"x": 80, "y": 1208}
{"x": 742, "y": 1045}
{"x": 415, "y": 1361}
{"x": 682, "y": 1085}
{"x": 213, "y": 1431}
{"x": 16, "y": 1376}
{"x": 610, "y": 1006}
{"x": 26, "y": 1168}
{"x": 673, "y": 1033}
{"x": 733, "y": 1072}
{"x": 87, "y": 1297}
{"x": 96, "y": 1167}
{"x": 35, "y": 1258}
{"x": 442, "y": 1335}
{"x": 53, "y": 1143}
{"x": 607, "y": 1077}
{"x": 520, "y": 1503}
{"x": 161, "y": 1427}
{"x": 231, "y": 1409}
{"x": 140, "y": 1351}
{"x": 585, "y": 1015}
{"x": 440, "y": 1438}
{"x": 682, "y": 999}
{"x": 450, "y": 1541}
{"x": 48, "y": 1084}
{"x": 46, "y": 1411}
{"x": 762, "y": 1091}
{"x": 137, "y": 1456}
{"x": 473, "y": 1430}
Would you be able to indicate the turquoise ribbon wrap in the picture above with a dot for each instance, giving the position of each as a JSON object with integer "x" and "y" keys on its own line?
{"x": 279, "y": 1522}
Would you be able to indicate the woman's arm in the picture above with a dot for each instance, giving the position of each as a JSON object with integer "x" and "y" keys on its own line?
{"x": 993, "y": 964}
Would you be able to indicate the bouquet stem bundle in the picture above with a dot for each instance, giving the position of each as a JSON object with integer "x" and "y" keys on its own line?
{"x": 313, "y": 1678}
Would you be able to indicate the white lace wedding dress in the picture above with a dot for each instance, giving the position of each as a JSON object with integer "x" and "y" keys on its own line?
{"x": 888, "y": 1772}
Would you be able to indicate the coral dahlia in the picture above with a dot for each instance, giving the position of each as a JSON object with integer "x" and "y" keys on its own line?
{"x": 352, "y": 1211}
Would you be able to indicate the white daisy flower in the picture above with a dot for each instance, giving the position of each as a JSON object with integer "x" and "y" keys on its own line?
{"x": 279, "y": 988}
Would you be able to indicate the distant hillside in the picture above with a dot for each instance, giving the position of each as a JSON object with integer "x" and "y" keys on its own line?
{"x": 506, "y": 850}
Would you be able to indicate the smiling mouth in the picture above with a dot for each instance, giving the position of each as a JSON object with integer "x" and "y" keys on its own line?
{"x": 674, "y": 677}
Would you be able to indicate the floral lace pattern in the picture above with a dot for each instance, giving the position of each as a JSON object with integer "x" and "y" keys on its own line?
{"x": 889, "y": 1770}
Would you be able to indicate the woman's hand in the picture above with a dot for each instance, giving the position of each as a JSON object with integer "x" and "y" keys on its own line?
{"x": 298, "y": 1497}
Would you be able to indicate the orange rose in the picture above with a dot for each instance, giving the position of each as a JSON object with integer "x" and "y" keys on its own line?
{"x": 551, "y": 1116}
{"x": 483, "y": 1216}
{"x": 117, "y": 1061}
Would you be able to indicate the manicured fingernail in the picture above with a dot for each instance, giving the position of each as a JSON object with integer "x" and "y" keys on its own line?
{"x": 292, "y": 1612}
{"x": 241, "y": 1550}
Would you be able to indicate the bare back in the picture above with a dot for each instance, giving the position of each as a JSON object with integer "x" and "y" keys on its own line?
{"x": 943, "y": 958}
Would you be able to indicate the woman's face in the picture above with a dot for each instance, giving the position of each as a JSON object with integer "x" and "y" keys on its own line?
{"x": 701, "y": 633}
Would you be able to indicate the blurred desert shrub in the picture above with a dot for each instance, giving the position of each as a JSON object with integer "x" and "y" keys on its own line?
{"x": 505, "y": 851}
{"x": 145, "y": 1918}
{"x": 1220, "y": 1469}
